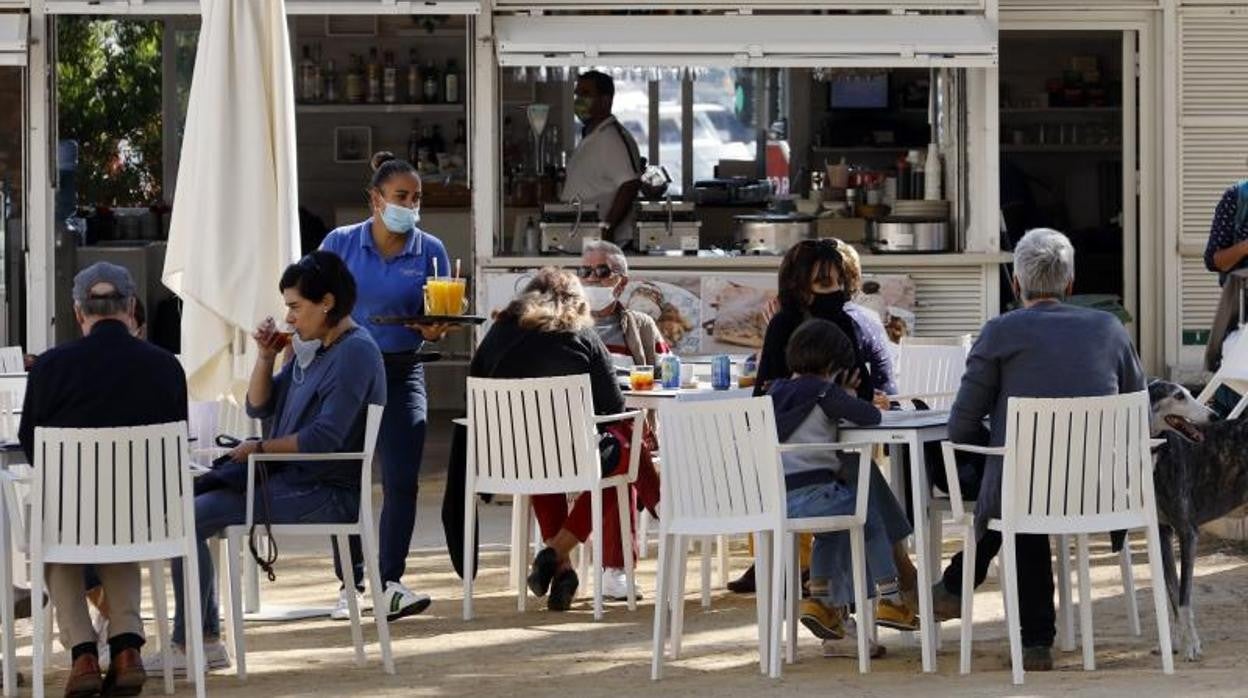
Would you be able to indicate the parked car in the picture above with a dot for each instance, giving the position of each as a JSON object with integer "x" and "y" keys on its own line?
{"x": 717, "y": 135}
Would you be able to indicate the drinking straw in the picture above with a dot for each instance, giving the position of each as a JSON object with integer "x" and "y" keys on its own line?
{"x": 435, "y": 267}
{"x": 457, "y": 268}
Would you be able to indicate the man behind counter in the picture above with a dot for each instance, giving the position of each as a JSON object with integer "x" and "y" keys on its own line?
{"x": 605, "y": 169}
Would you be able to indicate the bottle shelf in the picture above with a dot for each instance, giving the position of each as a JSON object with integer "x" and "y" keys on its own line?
{"x": 1058, "y": 148}
{"x": 379, "y": 108}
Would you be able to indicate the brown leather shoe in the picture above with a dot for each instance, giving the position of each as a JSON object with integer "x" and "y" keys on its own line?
{"x": 84, "y": 678}
{"x": 125, "y": 674}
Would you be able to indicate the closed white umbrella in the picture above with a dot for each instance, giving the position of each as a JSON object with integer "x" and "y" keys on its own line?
{"x": 235, "y": 223}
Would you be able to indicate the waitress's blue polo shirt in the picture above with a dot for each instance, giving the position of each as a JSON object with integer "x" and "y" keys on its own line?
{"x": 394, "y": 286}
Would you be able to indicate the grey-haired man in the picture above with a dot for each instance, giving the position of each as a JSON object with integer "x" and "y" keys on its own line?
{"x": 1047, "y": 348}
{"x": 108, "y": 378}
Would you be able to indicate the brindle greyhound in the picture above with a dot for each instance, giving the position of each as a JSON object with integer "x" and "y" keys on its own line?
{"x": 1201, "y": 474}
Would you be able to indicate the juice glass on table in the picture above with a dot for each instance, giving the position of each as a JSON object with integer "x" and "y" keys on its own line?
{"x": 641, "y": 378}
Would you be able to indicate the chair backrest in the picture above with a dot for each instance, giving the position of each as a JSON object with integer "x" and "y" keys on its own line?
{"x": 372, "y": 427}
{"x": 721, "y": 469}
{"x": 1077, "y": 464}
{"x": 531, "y": 435}
{"x": 933, "y": 370}
{"x": 14, "y": 384}
{"x": 111, "y": 495}
{"x": 12, "y": 360}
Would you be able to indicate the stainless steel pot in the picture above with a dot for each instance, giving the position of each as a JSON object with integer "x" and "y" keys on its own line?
{"x": 897, "y": 234}
{"x": 771, "y": 233}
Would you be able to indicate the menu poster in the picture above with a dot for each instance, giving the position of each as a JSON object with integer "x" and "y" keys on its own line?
{"x": 735, "y": 311}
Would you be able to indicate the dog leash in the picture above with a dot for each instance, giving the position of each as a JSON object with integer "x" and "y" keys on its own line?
{"x": 269, "y": 559}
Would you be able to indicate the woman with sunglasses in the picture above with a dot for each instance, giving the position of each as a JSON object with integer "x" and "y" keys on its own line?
{"x": 391, "y": 258}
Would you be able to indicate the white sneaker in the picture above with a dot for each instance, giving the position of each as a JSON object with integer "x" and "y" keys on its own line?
{"x": 615, "y": 585}
{"x": 847, "y": 646}
{"x": 342, "y": 611}
{"x": 214, "y": 653}
{"x": 402, "y": 602}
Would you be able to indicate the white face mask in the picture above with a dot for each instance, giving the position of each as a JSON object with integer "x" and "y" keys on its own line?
{"x": 305, "y": 352}
{"x": 599, "y": 297}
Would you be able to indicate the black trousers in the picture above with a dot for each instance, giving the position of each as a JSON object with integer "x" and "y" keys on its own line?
{"x": 1036, "y": 612}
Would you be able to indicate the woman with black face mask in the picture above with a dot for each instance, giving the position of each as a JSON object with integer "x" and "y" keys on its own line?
{"x": 817, "y": 280}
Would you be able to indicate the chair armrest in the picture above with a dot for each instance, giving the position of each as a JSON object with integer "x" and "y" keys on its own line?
{"x": 287, "y": 457}
{"x": 1154, "y": 444}
{"x": 254, "y": 458}
{"x": 608, "y": 418}
{"x": 947, "y": 449}
{"x": 984, "y": 450}
{"x": 832, "y": 446}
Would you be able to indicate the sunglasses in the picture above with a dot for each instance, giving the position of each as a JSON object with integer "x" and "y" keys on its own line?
{"x": 600, "y": 272}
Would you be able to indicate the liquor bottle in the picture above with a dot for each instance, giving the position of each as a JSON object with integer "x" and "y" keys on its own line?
{"x": 318, "y": 81}
{"x": 355, "y": 81}
{"x": 413, "y": 144}
{"x": 307, "y": 91}
{"x": 425, "y": 159}
{"x": 452, "y": 83}
{"x": 374, "y": 77}
{"x": 461, "y": 139}
{"x": 432, "y": 84}
{"x": 437, "y": 143}
{"x": 415, "y": 83}
{"x": 331, "y": 82}
{"x": 389, "y": 81}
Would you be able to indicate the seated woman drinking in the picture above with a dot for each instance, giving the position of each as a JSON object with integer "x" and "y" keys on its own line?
{"x": 317, "y": 403}
{"x": 548, "y": 331}
{"x": 822, "y": 391}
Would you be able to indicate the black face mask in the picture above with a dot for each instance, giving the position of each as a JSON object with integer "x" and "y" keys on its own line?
{"x": 830, "y": 303}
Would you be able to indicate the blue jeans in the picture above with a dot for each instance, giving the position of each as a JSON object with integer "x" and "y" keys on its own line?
{"x": 215, "y": 510}
{"x": 831, "y": 557}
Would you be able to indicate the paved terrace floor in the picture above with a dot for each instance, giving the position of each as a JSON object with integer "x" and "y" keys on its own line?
{"x": 539, "y": 653}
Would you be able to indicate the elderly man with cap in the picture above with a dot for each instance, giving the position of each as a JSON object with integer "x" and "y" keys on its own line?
{"x": 109, "y": 378}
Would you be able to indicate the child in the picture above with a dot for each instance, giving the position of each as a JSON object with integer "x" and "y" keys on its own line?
{"x": 809, "y": 407}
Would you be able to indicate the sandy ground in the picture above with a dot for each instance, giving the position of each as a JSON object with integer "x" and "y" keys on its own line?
{"x": 540, "y": 653}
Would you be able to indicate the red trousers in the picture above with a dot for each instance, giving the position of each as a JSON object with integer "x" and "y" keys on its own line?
{"x": 554, "y": 512}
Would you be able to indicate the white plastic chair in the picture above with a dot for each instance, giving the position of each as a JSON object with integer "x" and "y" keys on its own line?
{"x": 363, "y": 527}
{"x": 1233, "y": 373}
{"x": 530, "y": 436}
{"x": 930, "y": 372}
{"x": 114, "y": 496}
{"x": 12, "y": 360}
{"x": 722, "y": 476}
{"x": 1072, "y": 466}
{"x": 855, "y": 525}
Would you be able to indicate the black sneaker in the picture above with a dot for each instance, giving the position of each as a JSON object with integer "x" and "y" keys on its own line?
{"x": 543, "y": 571}
{"x": 1037, "y": 659}
{"x": 563, "y": 590}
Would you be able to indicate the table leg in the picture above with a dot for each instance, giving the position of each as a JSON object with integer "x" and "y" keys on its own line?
{"x": 919, "y": 496}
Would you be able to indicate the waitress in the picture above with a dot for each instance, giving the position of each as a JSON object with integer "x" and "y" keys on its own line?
{"x": 391, "y": 258}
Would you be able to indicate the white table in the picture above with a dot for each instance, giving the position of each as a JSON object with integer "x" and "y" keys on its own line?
{"x": 654, "y": 399}
{"x": 912, "y": 430}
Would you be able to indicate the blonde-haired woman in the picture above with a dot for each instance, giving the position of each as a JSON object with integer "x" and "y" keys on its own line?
{"x": 548, "y": 331}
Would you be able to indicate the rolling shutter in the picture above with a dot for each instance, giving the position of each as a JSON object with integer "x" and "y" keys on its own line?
{"x": 748, "y": 40}
{"x": 1199, "y": 297}
{"x": 788, "y": 5}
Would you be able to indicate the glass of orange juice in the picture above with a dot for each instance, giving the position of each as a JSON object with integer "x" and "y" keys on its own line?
{"x": 641, "y": 378}
{"x": 445, "y": 296}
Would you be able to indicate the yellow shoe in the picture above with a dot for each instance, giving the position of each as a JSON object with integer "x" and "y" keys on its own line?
{"x": 896, "y": 614}
{"x": 823, "y": 621}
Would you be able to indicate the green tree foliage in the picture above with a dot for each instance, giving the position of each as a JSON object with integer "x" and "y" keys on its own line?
{"x": 108, "y": 85}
